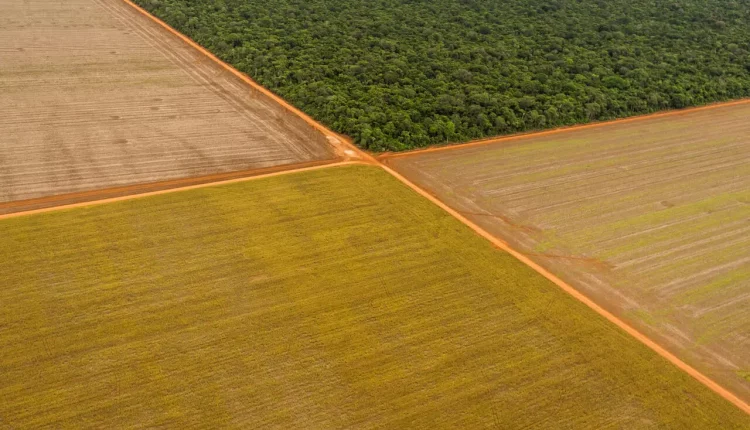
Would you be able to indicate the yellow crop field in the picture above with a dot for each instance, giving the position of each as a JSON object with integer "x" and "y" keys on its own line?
{"x": 334, "y": 298}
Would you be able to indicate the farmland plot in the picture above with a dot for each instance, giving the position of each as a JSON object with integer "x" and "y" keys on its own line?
{"x": 335, "y": 298}
{"x": 651, "y": 218}
{"x": 94, "y": 95}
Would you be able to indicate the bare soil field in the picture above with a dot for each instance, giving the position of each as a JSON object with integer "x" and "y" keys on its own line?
{"x": 309, "y": 300}
{"x": 651, "y": 218}
{"x": 94, "y": 95}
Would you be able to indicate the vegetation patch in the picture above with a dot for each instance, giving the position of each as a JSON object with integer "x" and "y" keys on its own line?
{"x": 397, "y": 74}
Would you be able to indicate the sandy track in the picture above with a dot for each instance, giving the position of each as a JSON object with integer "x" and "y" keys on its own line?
{"x": 96, "y": 96}
{"x": 653, "y": 215}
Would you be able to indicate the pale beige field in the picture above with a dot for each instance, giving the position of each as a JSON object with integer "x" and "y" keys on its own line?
{"x": 94, "y": 95}
{"x": 651, "y": 218}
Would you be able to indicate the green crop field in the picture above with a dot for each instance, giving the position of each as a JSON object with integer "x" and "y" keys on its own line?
{"x": 336, "y": 298}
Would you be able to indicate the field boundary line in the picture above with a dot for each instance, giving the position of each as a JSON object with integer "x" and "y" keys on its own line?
{"x": 368, "y": 159}
{"x": 333, "y": 138}
{"x": 207, "y": 184}
{"x": 504, "y": 246}
{"x": 146, "y": 187}
{"x": 560, "y": 130}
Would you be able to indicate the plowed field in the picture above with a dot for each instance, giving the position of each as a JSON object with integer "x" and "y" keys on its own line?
{"x": 93, "y": 95}
{"x": 649, "y": 217}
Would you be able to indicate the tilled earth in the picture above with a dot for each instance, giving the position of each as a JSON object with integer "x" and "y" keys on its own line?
{"x": 650, "y": 217}
{"x": 94, "y": 95}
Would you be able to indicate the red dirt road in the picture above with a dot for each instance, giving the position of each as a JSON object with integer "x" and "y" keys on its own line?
{"x": 22, "y": 207}
{"x": 99, "y": 197}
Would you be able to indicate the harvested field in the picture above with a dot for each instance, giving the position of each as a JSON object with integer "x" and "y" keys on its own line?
{"x": 94, "y": 95}
{"x": 650, "y": 217}
{"x": 308, "y": 300}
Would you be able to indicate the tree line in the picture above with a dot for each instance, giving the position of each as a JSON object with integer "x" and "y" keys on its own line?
{"x": 402, "y": 74}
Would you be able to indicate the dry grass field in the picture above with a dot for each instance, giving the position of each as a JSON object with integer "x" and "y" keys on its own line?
{"x": 335, "y": 298}
{"x": 93, "y": 95}
{"x": 651, "y": 218}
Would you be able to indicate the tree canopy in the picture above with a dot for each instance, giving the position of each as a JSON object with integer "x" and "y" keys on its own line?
{"x": 401, "y": 74}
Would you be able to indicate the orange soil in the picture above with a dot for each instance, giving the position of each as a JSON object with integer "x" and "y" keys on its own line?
{"x": 355, "y": 152}
{"x": 104, "y": 194}
{"x": 75, "y": 200}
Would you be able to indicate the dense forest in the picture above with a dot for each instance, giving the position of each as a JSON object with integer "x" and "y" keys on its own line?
{"x": 400, "y": 74}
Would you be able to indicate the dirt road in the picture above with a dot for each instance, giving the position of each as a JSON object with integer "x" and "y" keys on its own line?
{"x": 349, "y": 150}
